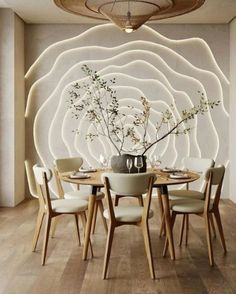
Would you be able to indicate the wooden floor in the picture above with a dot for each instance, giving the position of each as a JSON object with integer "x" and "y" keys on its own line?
{"x": 65, "y": 272}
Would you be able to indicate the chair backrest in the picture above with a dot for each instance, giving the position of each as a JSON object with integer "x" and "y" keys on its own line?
{"x": 63, "y": 165}
{"x": 42, "y": 176}
{"x": 128, "y": 185}
{"x": 200, "y": 165}
{"x": 68, "y": 164}
{"x": 214, "y": 178}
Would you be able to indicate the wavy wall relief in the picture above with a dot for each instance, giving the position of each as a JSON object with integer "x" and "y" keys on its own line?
{"x": 146, "y": 63}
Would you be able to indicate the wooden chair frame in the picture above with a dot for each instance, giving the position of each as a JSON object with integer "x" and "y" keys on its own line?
{"x": 207, "y": 214}
{"x": 46, "y": 211}
{"x": 113, "y": 223}
{"x": 118, "y": 197}
{"x": 185, "y": 219}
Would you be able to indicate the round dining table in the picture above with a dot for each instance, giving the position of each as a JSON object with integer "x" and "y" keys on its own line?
{"x": 162, "y": 182}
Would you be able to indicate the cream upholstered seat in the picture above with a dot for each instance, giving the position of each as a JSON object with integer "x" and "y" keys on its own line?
{"x": 128, "y": 184}
{"x": 178, "y": 194}
{"x": 128, "y": 214}
{"x": 55, "y": 208}
{"x": 205, "y": 208}
{"x": 64, "y": 165}
{"x": 82, "y": 195}
{"x": 71, "y": 206}
{"x": 189, "y": 205}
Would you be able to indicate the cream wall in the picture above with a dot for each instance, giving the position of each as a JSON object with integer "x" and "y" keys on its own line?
{"x": 19, "y": 109}
{"x": 12, "y": 141}
{"x": 192, "y": 43}
{"x": 232, "y": 142}
{"x": 37, "y": 39}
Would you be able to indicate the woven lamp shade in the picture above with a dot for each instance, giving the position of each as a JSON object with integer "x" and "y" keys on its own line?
{"x": 129, "y": 13}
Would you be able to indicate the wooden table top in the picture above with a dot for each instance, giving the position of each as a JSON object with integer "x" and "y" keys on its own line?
{"x": 163, "y": 178}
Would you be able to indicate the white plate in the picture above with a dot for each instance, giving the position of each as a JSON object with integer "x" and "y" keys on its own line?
{"x": 88, "y": 170}
{"x": 179, "y": 176}
{"x": 79, "y": 176}
{"x": 170, "y": 170}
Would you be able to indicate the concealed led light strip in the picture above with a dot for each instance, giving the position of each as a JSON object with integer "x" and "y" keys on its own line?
{"x": 179, "y": 74}
{"x": 125, "y": 48}
{"x": 142, "y": 93}
{"x": 221, "y": 94}
{"x": 109, "y": 26}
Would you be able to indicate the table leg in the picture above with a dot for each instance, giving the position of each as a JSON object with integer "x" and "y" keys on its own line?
{"x": 165, "y": 201}
{"x": 91, "y": 207}
{"x": 161, "y": 212}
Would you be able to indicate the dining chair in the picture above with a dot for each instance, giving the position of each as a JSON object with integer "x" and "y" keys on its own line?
{"x": 128, "y": 184}
{"x": 64, "y": 165}
{"x": 199, "y": 165}
{"x": 54, "y": 208}
{"x": 204, "y": 208}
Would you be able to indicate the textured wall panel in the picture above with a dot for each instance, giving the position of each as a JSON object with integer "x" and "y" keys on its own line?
{"x": 144, "y": 63}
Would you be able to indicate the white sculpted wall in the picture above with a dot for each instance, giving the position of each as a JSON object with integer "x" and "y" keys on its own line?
{"x": 144, "y": 63}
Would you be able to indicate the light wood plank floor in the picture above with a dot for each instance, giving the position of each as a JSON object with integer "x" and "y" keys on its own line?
{"x": 65, "y": 272}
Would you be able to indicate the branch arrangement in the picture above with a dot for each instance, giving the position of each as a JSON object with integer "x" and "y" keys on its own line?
{"x": 97, "y": 99}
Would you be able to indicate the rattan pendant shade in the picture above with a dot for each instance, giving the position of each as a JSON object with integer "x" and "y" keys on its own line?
{"x": 129, "y": 15}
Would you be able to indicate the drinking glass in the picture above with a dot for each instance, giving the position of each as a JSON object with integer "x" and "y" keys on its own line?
{"x": 129, "y": 164}
{"x": 138, "y": 162}
{"x": 154, "y": 161}
{"x": 104, "y": 161}
{"x": 157, "y": 161}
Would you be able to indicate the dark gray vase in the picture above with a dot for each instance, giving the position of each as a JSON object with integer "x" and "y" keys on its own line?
{"x": 118, "y": 164}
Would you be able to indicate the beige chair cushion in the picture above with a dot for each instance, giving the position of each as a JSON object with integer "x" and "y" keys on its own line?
{"x": 69, "y": 206}
{"x": 127, "y": 214}
{"x": 188, "y": 206}
{"x": 179, "y": 194}
{"x": 82, "y": 195}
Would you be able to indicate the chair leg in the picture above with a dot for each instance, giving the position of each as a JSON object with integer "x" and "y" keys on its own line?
{"x": 220, "y": 228}
{"x": 38, "y": 227}
{"x": 54, "y": 226}
{"x": 182, "y": 230}
{"x": 140, "y": 200}
{"x": 110, "y": 235}
{"x": 94, "y": 217}
{"x": 101, "y": 208}
{"x": 187, "y": 229}
{"x": 212, "y": 225}
{"x": 46, "y": 237}
{"x": 116, "y": 201}
{"x": 77, "y": 228}
{"x": 84, "y": 220}
{"x": 172, "y": 222}
{"x": 209, "y": 242}
{"x": 148, "y": 248}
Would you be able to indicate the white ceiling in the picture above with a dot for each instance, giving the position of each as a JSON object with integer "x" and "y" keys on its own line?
{"x": 45, "y": 11}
